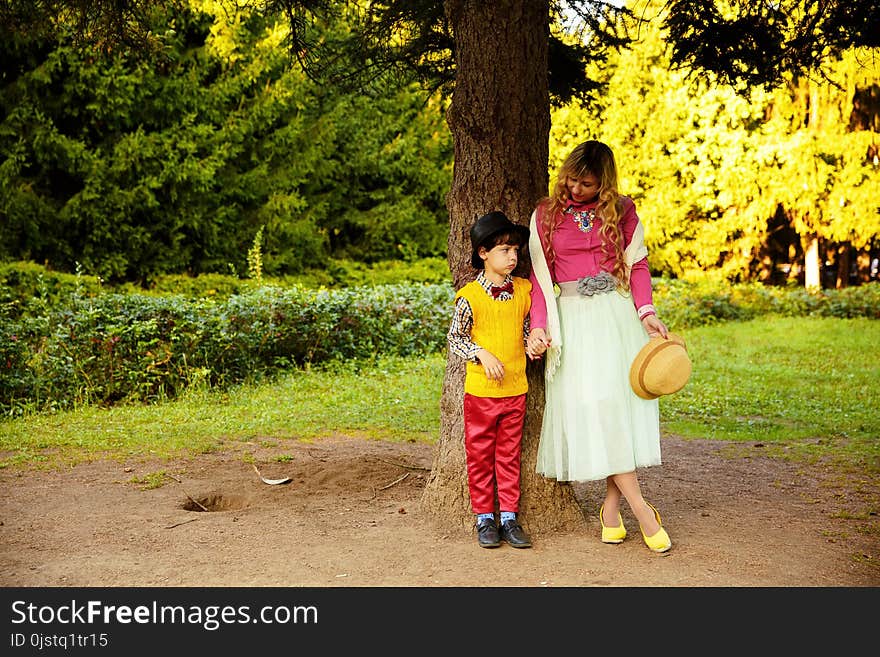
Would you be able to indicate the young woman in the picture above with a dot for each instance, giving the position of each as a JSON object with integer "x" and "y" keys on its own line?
{"x": 587, "y": 242}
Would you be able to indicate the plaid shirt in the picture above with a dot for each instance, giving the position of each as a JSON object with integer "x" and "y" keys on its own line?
{"x": 459, "y": 335}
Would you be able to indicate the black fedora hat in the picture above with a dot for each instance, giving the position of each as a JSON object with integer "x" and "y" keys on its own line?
{"x": 490, "y": 225}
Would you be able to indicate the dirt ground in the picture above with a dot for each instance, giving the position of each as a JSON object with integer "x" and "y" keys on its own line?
{"x": 350, "y": 517}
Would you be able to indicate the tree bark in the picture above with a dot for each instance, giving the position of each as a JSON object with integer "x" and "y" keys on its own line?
{"x": 844, "y": 265}
{"x": 500, "y": 122}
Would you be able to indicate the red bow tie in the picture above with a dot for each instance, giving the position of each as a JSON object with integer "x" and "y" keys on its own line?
{"x": 497, "y": 290}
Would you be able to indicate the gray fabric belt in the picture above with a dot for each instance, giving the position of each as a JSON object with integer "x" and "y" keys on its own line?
{"x": 602, "y": 283}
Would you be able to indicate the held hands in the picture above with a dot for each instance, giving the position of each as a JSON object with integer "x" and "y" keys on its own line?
{"x": 654, "y": 326}
{"x": 493, "y": 367}
{"x": 537, "y": 343}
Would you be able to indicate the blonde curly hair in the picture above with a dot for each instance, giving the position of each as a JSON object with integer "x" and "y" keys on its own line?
{"x": 594, "y": 158}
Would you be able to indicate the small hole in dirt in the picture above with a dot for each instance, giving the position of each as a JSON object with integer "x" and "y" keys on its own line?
{"x": 215, "y": 502}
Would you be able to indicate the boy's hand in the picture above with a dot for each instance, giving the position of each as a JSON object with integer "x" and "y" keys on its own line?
{"x": 493, "y": 367}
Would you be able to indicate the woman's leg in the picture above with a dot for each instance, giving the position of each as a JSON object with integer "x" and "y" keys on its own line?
{"x": 611, "y": 506}
{"x": 628, "y": 485}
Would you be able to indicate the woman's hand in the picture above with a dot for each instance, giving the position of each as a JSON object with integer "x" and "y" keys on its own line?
{"x": 537, "y": 343}
{"x": 654, "y": 326}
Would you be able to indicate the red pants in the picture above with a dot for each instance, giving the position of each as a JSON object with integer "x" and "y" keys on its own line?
{"x": 492, "y": 442}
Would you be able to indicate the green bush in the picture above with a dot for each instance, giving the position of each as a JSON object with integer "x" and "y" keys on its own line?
{"x": 203, "y": 286}
{"x": 75, "y": 342}
{"x": 683, "y": 304}
{"x": 29, "y": 288}
{"x": 389, "y": 272}
{"x": 138, "y": 347}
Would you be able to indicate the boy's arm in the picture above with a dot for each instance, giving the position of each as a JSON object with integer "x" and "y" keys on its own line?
{"x": 460, "y": 343}
{"x": 459, "y": 334}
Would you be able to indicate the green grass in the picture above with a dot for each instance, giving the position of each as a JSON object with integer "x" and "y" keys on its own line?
{"x": 806, "y": 388}
{"x": 151, "y": 480}
{"x": 388, "y": 399}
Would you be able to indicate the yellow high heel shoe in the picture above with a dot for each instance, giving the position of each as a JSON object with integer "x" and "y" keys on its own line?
{"x": 612, "y": 534}
{"x": 660, "y": 541}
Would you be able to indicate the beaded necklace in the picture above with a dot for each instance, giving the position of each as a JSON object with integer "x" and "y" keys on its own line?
{"x": 583, "y": 219}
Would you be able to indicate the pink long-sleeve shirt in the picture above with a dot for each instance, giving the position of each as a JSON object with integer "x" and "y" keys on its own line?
{"x": 579, "y": 254}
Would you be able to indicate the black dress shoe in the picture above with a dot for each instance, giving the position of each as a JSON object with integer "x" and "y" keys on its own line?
{"x": 514, "y": 534}
{"x": 487, "y": 534}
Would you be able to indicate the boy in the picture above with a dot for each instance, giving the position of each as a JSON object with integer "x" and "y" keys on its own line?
{"x": 489, "y": 328}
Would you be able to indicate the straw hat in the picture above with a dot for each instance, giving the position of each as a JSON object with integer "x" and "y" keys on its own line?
{"x": 662, "y": 367}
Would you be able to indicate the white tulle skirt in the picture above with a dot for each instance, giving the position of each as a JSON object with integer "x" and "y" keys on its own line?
{"x": 594, "y": 424}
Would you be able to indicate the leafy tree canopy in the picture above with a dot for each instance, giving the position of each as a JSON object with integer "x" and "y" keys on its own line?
{"x": 740, "y": 42}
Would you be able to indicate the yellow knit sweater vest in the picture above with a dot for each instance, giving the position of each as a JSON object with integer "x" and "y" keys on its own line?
{"x": 498, "y": 328}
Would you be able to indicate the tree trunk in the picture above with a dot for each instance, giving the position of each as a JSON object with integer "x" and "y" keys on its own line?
{"x": 811, "y": 263}
{"x": 500, "y": 122}
{"x": 844, "y": 265}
